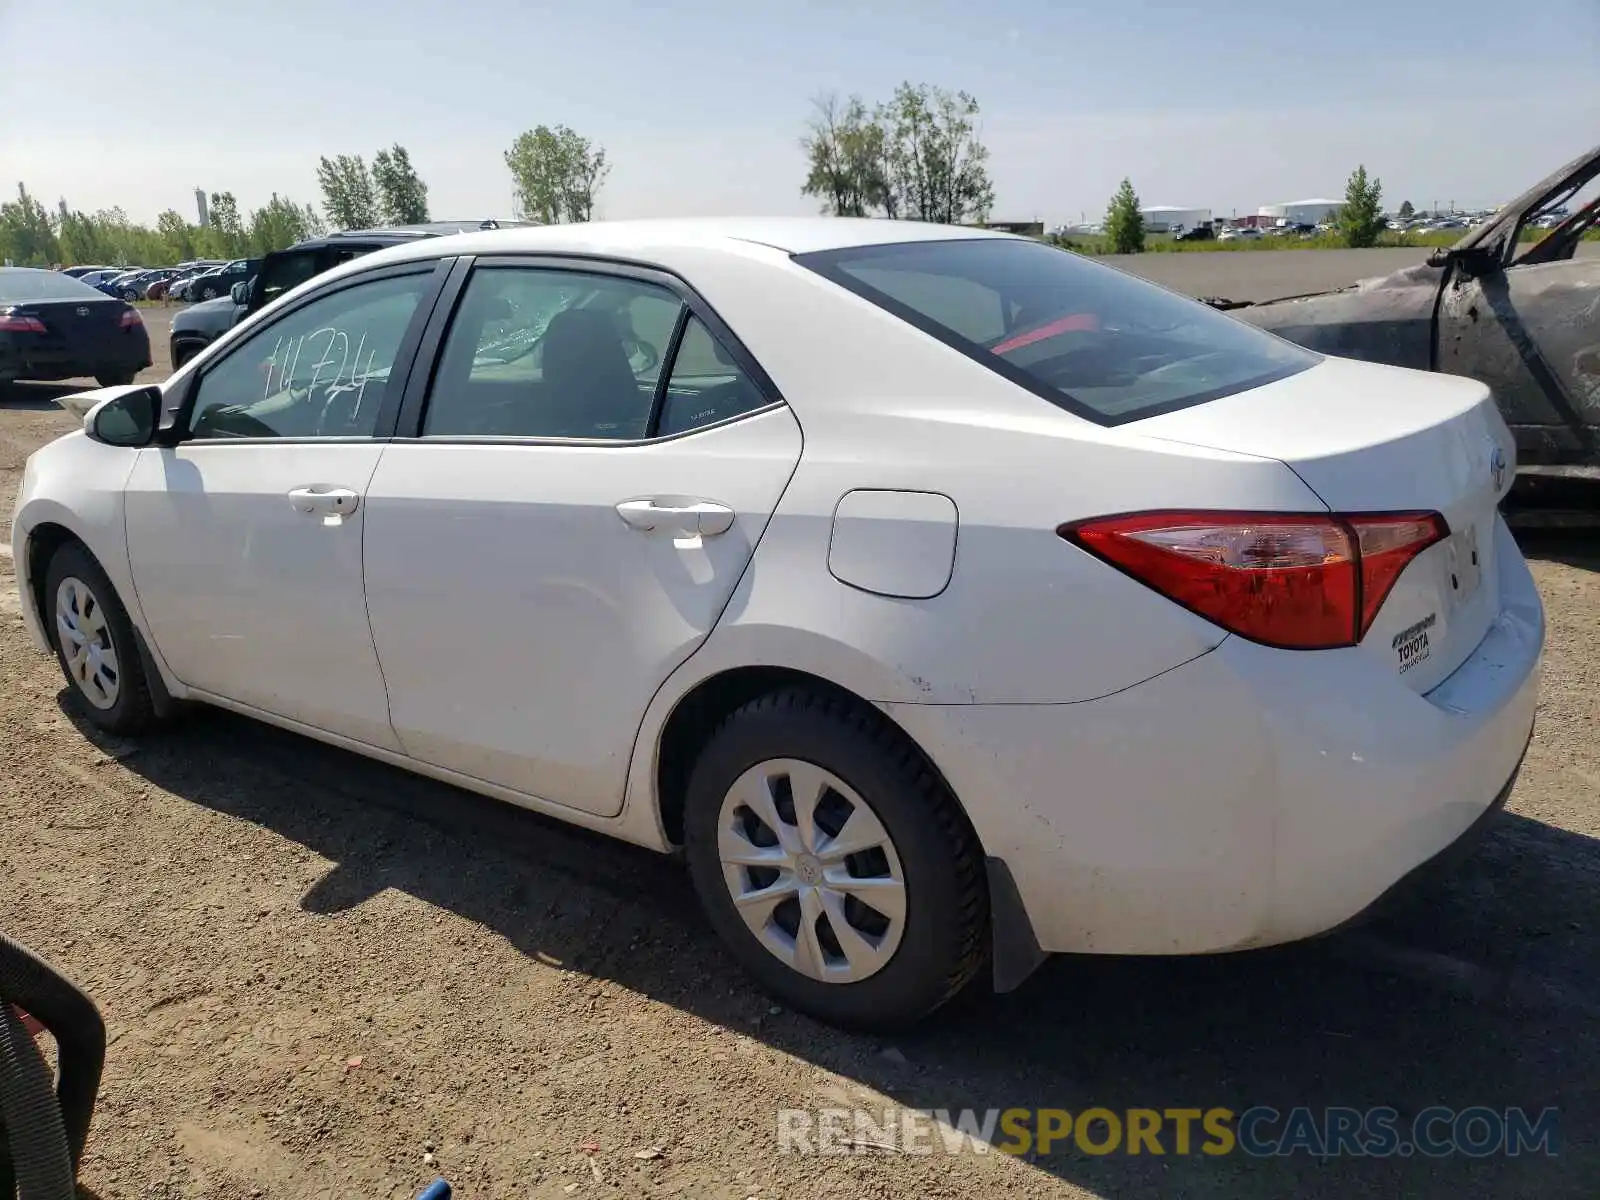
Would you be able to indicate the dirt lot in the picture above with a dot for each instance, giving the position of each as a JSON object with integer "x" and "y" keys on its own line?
{"x": 255, "y": 912}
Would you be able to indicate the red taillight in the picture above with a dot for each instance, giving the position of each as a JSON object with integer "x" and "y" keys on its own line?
{"x": 1299, "y": 581}
{"x": 131, "y": 318}
{"x": 15, "y": 322}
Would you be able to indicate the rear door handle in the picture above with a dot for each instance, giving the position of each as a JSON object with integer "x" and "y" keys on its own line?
{"x": 333, "y": 504}
{"x": 705, "y": 518}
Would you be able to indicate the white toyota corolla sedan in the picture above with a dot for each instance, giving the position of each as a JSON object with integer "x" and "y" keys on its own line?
{"x": 947, "y": 599}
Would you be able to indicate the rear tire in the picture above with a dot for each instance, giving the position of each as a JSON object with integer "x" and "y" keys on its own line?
{"x": 95, "y": 643}
{"x": 115, "y": 379}
{"x": 904, "y": 951}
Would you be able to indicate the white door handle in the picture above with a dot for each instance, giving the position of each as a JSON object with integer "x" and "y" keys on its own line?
{"x": 333, "y": 503}
{"x": 705, "y": 518}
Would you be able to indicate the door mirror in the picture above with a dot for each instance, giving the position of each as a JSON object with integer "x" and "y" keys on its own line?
{"x": 240, "y": 292}
{"x": 128, "y": 420}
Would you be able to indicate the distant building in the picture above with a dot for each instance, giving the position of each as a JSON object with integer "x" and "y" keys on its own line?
{"x": 200, "y": 206}
{"x": 1299, "y": 212}
{"x": 1025, "y": 228}
{"x": 1170, "y": 218}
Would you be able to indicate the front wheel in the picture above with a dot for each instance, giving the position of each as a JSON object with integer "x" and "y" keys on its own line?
{"x": 115, "y": 378}
{"x": 208, "y": 293}
{"x": 836, "y": 866}
{"x": 95, "y": 643}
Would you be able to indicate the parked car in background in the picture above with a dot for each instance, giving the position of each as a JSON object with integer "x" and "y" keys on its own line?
{"x": 220, "y": 281}
{"x": 80, "y": 272}
{"x": 113, "y": 285}
{"x": 1081, "y": 617}
{"x": 177, "y": 287}
{"x": 195, "y": 327}
{"x": 1518, "y": 315}
{"x": 95, "y": 278}
{"x": 55, "y": 327}
{"x": 142, "y": 285}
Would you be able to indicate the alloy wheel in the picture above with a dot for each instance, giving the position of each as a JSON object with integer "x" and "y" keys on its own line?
{"x": 86, "y": 645}
{"x": 812, "y": 871}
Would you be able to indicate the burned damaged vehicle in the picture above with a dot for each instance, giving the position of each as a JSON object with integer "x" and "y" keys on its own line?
{"x": 1523, "y": 317}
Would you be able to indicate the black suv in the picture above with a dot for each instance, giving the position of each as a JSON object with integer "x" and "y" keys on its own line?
{"x": 199, "y": 325}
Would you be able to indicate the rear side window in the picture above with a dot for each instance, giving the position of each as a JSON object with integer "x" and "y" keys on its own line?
{"x": 1097, "y": 342}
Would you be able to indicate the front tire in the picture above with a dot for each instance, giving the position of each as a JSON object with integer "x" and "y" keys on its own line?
{"x": 837, "y": 867}
{"x": 95, "y": 643}
{"x": 115, "y": 378}
{"x": 208, "y": 293}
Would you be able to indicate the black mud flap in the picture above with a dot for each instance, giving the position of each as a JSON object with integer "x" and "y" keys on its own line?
{"x": 1016, "y": 952}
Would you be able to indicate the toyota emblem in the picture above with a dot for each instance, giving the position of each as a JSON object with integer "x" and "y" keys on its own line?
{"x": 1497, "y": 468}
{"x": 83, "y": 310}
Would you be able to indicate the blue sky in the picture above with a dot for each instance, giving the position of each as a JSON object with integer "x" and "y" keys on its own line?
{"x": 700, "y": 105}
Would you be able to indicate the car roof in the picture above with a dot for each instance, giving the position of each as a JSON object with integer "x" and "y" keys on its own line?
{"x": 397, "y": 235}
{"x": 645, "y": 238}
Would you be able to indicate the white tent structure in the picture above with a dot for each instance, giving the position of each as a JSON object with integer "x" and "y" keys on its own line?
{"x": 1301, "y": 212}
{"x": 1172, "y": 218}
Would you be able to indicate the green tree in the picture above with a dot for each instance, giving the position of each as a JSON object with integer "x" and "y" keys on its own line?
{"x": 846, "y": 148}
{"x": 1361, "y": 219}
{"x": 178, "y": 235}
{"x": 276, "y": 225}
{"x": 937, "y": 166}
{"x": 402, "y": 196}
{"x": 79, "y": 237}
{"x": 555, "y": 174}
{"x": 231, "y": 239}
{"x": 1124, "y": 226}
{"x": 1406, "y": 210}
{"x": 347, "y": 191}
{"x": 26, "y": 236}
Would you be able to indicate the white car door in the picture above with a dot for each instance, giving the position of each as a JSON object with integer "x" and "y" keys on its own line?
{"x": 592, "y": 471}
{"x": 245, "y": 536}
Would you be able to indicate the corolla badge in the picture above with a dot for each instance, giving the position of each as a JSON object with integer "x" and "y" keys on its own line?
{"x": 1497, "y": 468}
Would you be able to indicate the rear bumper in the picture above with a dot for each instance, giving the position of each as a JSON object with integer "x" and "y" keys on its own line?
{"x": 1246, "y": 798}
{"x": 18, "y": 360}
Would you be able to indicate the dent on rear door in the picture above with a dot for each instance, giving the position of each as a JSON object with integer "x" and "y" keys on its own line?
{"x": 1532, "y": 333}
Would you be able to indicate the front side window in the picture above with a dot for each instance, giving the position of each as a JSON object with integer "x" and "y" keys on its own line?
{"x": 321, "y": 371}
{"x": 1097, "y": 342}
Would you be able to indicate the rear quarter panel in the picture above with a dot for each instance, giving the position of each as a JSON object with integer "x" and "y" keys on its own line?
{"x": 1026, "y": 617}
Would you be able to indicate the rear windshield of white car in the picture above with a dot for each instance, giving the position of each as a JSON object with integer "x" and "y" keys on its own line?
{"x": 1107, "y": 346}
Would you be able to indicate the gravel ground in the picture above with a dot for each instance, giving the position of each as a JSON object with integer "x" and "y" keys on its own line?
{"x": 324, "y": 977}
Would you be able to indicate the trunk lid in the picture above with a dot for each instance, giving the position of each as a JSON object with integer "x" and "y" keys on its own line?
{"x": 82, "y": 329}
{"x": 1370, "y": 438}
